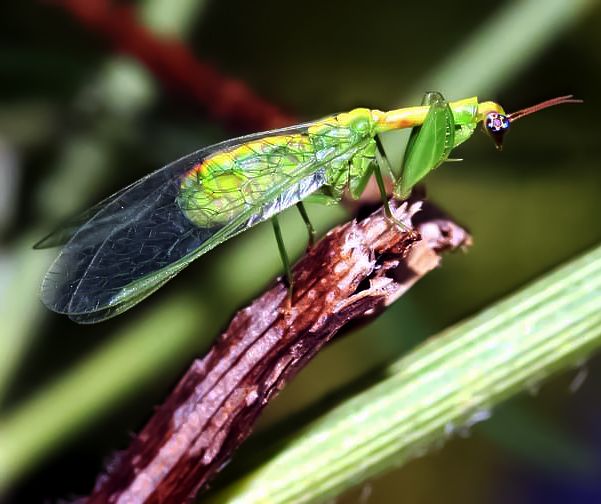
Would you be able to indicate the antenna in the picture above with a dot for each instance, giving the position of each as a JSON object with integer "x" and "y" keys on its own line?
{"x": 514, "y": 116}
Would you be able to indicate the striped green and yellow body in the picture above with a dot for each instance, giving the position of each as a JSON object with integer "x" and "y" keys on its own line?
{"x": 123, "y": 249}
{"x": 224, "y": 184}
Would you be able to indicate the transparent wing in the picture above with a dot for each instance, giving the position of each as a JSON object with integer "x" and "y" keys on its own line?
{"x": 68, "y": 228}
{"x": 125, "y": 248}
{"x": 65, "y": 231}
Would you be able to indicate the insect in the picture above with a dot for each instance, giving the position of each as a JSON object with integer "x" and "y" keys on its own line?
{"x": 127, "y": 246}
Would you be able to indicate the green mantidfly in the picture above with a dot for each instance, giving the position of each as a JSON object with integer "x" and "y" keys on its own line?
{"x": 126, "y": 247}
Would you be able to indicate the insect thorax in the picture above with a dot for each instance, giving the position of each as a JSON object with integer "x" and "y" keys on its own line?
{"x": 351, "y": 134}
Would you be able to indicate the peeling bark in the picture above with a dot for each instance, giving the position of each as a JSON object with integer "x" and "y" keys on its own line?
{"x": 349, "y": 276}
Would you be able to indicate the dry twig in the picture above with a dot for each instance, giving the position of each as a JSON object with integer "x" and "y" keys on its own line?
{"x": 173, "y": 64}
{"x": 349, "y": 276}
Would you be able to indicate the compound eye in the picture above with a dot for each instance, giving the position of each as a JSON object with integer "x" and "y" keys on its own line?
{"x": 496, "y": 123}
{"x": 496, "y": 126}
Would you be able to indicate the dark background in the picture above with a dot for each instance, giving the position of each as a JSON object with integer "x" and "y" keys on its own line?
{"x": 81, "y": 117}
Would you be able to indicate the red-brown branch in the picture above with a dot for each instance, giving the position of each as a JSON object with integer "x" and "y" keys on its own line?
{"x": 351, "y": 275}
{"x": 169, "y": 59}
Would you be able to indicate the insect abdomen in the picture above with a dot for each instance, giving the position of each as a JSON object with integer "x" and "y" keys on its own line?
{"x": 220, "y": 187}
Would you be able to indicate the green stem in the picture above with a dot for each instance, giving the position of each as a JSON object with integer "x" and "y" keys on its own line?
{"x": 449, "y": 382}
{"x": 116, "y": 370}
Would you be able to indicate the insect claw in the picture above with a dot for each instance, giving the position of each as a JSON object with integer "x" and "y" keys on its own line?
{"x": 414, "y": 235}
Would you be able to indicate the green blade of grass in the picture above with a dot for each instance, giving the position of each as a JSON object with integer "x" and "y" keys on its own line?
{"x": 501, "y": 48}
{"x": 61, "y": 409}
{"x": 492, "y": 55}
{"x": 448, "y": 383}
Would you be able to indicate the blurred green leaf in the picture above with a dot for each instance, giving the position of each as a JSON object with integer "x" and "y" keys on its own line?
{"x": 61, "y": 409}
{"x": 20, "y": 271}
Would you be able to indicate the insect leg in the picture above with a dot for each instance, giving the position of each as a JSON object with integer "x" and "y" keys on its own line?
{"x": 305, "y": 216}
{"x": 380, "y": 180}
{"x": 283, "y": 255}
